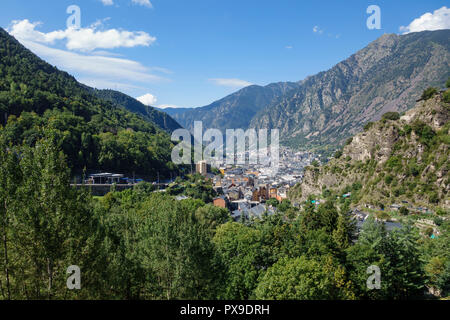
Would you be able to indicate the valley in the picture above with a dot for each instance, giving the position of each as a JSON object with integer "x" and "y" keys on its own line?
{"x": 152, "y": 203}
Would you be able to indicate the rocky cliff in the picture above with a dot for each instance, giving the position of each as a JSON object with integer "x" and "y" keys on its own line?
{"x": 391, "y": 160}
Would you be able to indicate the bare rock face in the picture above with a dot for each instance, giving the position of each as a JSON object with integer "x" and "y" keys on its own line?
{"x": 392, "y": 161}
{"x": 388, "y": 75}
{"x": 430, "y": 112}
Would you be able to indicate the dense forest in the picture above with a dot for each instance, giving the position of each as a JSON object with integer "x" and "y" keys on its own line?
{"x": 95, "y": 134}
{"x": 141, "y": 244}
{"x": 162, "y": 119}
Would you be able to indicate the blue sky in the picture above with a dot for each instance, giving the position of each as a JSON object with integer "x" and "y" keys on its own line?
{"x": 191, "y": 53}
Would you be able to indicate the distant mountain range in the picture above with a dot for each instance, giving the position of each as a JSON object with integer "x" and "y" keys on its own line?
{"x": 234, "y": 111}
{"x": 387, "y": 75}
{"x": 163, "y": 120}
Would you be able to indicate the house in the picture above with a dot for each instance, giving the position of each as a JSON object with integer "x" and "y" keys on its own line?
{"x": 235, "y": 194}
{"x": 104, "y": 178}
{"x": 221, "y": 202}
{"x": 273, "y": 193}
{"x": 256, "y": 212}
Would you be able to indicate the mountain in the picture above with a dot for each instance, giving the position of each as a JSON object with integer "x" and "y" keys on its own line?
{"x": 234, "y": 111}
{"x": 395, "y": 159}
{"x": 161, "y": 119}
{"x": 172, "y": 111}
{"x": 388, "y": 75}
{"x": 322, "y": 110}
{"x": 37, "y": 100}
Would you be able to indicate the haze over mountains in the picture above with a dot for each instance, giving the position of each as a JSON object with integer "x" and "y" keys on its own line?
{"x": 387, "y": 75}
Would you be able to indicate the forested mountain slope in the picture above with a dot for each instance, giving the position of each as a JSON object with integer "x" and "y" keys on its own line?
{"x": 38, "y": 99}
{"x": 161, "y": 119}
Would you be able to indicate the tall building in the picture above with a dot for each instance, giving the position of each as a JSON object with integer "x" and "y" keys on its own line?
{"x": 201, "y": 167}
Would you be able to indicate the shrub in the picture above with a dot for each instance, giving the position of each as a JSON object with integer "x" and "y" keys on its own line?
{"x": 407, "y": 129}
{"x": 428, "y": 93}
{"x": 368, "y": 125}
{"x": 394, "y": 163}
{"x": 356, "y": 186}
{"x": 446, "y": 96}
{"x": 391, "y": 116}
{"x": 349, "y": 140}
{"x": 447, "y": 84}
{"x": 424, "y": 131}
{"x": 388, "y": 179}
{"x": 438, "y": 221}
{"x": 338, "y": 154}
{"x": 404, "y": 211}
{"x": 326, "y": 193}
{"x": 414, "y": 169}
{"x": 433, "y": 197}
{"x": 429, "y": 231}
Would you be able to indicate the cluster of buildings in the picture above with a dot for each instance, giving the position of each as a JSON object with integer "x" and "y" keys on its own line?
{"x": 245, "y": 189}
{"x": 106, "y": 178}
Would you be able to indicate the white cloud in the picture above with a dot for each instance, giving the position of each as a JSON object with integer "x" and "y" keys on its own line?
{"x": 109, "y": 69}
{"x": 145, "y": 3}
{"x": 147, "y": 99}
{"x": 317, "y": 29}
{"x": 439, "y": 19}
{"x": 165, "y": 106}
{"x": 235, "y": 83}
{"x": 107, "y": 2}
{"x": 84, "y": 39}
{"x": 101, "y": 83}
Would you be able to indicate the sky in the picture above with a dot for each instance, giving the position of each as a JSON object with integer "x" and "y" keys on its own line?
{"x": 190, "y": 53}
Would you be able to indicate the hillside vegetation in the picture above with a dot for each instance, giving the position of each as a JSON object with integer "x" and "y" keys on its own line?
{"x": 396, "y": 158}
{"x": 37, "y": 99}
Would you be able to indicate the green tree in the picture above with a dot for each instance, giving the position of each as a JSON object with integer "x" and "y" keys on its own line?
{"x": 305, "y": 279}
{"x": 55, "y": 229}
{"x": 177, "y": 249}
{"x": 328, "y": 216}
{"x": 345, "y": 230}
{"x": 10, "y": 178}
{"x": 240, "y": 247}
{"x": 404, "y": 211}
{"x": 391, "y": 116}
{"x": 395, "y": 253}
{"x": 428, "y": 93}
